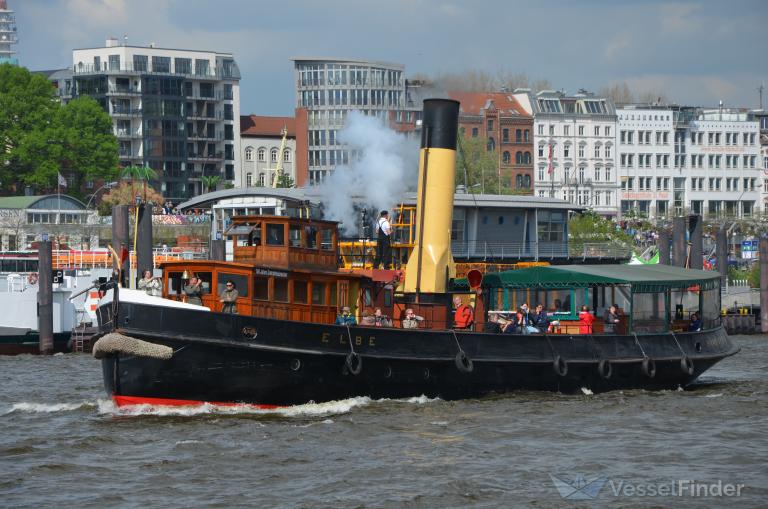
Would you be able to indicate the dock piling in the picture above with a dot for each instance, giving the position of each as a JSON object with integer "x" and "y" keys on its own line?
{"x": 45, "y": 297}
{"x": 764, "y": 284}
{"x": 144, "y": 259}
{"x": 679, "y": 231}
{"x": 696, "y": 259}
{"x": 722, "y": 255}
{"x": 663, "y": 247}
{"x": 120, "y": 239}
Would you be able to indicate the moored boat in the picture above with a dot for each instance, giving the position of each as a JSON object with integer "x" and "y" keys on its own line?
{"x": 282, "y": 345}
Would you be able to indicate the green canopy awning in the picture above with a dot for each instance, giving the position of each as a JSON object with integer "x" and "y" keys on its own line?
{"x": 642, "y": 278}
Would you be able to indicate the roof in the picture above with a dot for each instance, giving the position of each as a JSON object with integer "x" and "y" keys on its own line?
{"x": 357, "y": 61}
{"x": 642, "y": 278}
{"x": 27, "y": 202}
{"x": 257, "y": 125}
{"x": 475, "y": 103}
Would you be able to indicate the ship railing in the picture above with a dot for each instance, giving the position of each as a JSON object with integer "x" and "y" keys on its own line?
{"x": 78, "y": 259}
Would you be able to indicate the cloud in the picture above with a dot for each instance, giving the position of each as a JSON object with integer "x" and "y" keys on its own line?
{"x": 616, "y": 45}
{"x": 679, "y": 18}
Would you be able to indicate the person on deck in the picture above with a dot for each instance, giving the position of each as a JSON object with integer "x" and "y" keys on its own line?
{"x": 193, "y": 290}
{"x": 586, "y": 319}
{"x": 151, "y": 285}
{"x": 611, "y": 319}
{"x": 345, "y": 318}
{"x": 383, "y": 242}
{"x": 540, "y": 319}
{"x": 464, "y": 316}
{"x": 695, "y": 325}
{"x": 411, "y": 320}
{"x": 228, "y": 298}
{"x": 367, "y": 318}
{"x": 380, "y": 320}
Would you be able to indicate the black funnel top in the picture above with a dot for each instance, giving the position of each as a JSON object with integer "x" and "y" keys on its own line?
{"x": 440, "y": 123}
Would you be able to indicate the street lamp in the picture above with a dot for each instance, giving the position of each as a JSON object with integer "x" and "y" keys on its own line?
{"x": 108, "y": 185}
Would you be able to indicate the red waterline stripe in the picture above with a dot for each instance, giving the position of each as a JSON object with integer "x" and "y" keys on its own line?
{"x": 141, "y": 400}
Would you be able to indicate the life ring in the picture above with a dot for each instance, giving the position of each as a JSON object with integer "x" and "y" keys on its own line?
{"x": 32, "y": 278}
{"x": 686, "y": 364}
{"x": 605, "y": 369}
{"x": 354, "y": 363}
{"x": 463, "y": 363}
{"x": 560, "y": 366}
{"x": 649, "y": 367}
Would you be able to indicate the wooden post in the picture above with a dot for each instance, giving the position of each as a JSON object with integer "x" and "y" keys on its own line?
{"x": 217, "y": 250}
{"x": 664, "y": 247}
{"x": 120, "y": 239}
{"x": 722, "y": 255}
{"x": 764, "y": 284}
{"x": 144, "y": 259}
{"x": 678, "y": 242}
{"x": 45, "y": 297}
{"x": 696, "y": 240}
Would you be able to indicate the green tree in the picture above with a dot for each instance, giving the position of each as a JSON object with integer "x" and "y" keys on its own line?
{"x": 210, "y": 182}
{"x": 477, "y": 167}
{"x": 125, "y": 194}
{"x": 41, "y": 138}
{"x": 591, "y": 227}
{"x": 143, "y": 174}
{"x": 285, "y": 181}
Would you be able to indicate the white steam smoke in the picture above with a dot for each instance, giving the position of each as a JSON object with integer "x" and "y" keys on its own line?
{"x": 387, "y": 167}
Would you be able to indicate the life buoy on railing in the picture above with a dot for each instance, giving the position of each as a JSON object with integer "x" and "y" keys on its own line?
{"x": 32, "y": 278}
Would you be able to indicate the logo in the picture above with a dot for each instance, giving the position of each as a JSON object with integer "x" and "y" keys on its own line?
{"x": 580, "y": 488}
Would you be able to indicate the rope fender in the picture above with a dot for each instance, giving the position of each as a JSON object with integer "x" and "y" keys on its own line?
{"x": 114, "y": 343}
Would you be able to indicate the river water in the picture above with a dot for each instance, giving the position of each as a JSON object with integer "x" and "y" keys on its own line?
{"x": 62, "y": 444}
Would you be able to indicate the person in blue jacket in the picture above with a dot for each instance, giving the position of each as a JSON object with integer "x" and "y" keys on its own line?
{"x": 345, "y": 318}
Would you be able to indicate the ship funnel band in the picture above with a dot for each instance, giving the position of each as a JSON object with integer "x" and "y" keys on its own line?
{"x": 440, "y": 123}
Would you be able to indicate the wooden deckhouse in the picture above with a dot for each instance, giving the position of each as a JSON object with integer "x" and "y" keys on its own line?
{"x": 283, "y": 267}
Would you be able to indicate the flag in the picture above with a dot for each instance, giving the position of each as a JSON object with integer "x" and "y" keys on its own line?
{"x": 549, "y": 169}
{"x": 62, "y": 180}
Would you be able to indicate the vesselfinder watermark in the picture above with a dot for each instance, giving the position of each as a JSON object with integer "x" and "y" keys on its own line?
{"x": 580, "y": 487}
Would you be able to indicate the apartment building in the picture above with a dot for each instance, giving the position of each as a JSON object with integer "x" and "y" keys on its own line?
{"x": 326, "y": 91}
{"x": 506, "y": 126}
{"x": 261, "y": 139}
{"x": 176, "y": 111}
{"x": 8, "y": 34}
{"x": 678, "y": 160}
{"x": 574, "y": 138}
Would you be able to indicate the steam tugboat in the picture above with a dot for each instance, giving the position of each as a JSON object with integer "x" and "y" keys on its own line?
{"x": 281, "y": 347}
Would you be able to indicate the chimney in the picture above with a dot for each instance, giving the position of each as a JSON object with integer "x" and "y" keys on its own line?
{"x": 431, "y": 262}
{"x": 111, "y": 42}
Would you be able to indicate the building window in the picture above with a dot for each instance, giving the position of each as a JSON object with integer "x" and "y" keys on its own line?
{"x": 489, "y": 125}
{"x": 541, "y": 150}
{"x": 114, "y": 62}
{"x": 161, "y": 64}
{"x": 518, "y": 136}
{"x": 262, "y": 155}
{"x": 248, "y": 179}
{"x": 506, "y": 157}
{"x": 140, "y": 63}
{"x": 491, "y": 145}
{"x": 287, "y": 155}
{"x": 581, "y": 130}
{"x": 541, "y": 129}
{"x": 249, "y": 154}
{"x": 527, "y": 136}
{"x": 527, "y": 158}
{"x": 474, "y": 132}
{"x": 505, "y": 135}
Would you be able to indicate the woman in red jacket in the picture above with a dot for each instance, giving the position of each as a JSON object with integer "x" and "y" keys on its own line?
{"x": 586, "y": 319}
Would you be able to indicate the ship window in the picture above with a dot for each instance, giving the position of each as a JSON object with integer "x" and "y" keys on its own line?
{"x": 281, "y": 290}
{"x": 174, "y": 283}
{"x": 241, "y": 283}
{"x": 275, "y": 235}
{"x": 318, "y": 293}
{"x": 206, "y": 279}
{"x": 333, "y": 294}
{"x": 326, "y": 239}
{"x": 294, "y": 235}
{"x": 300, "y": 292}
{"x": 261, "y": 288}
{"x": 310, "y": 237}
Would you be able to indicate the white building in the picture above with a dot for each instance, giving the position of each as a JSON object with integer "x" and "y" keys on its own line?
{"x": 261, "y": 139}
{"x": 575, "y": 149}
{"x": 328, "y": 89}
{"x": 675, "y": 160}
{"x": 177, "y": 111}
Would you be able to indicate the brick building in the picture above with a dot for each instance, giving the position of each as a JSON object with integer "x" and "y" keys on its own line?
{"x": 501, "y": 119}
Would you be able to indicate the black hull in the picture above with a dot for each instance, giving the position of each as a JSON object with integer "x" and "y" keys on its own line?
{"x": 230, "y": 358}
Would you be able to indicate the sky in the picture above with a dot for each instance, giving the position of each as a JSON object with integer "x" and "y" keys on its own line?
{"x": 694, "y": 52}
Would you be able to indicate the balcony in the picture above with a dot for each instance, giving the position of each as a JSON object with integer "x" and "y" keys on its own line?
{"x": 205, "y": 136}
{"x": 123, "y": 91}
{"x": 127, "y": 133}
{"x": 126, "y": 112}
{"x": 194, "y": 156}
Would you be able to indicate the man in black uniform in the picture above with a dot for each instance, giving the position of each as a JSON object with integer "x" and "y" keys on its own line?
{"x": 383, "y": 246}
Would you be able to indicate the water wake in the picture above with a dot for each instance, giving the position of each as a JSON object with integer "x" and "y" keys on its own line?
{"x": 42, "y": 408}
{"x": 108, "y": 408}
